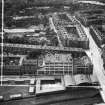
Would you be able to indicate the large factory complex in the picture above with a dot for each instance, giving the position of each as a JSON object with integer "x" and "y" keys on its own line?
{"x": 53, "y": 54}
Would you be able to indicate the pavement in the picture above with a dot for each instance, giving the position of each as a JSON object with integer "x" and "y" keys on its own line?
{"x": 95, "y": 55}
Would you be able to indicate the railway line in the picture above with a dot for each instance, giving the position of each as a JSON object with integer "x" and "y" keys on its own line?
{"x": 63, "y": 98}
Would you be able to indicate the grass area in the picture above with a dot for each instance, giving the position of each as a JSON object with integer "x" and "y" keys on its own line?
{"x": 10, "y": 90}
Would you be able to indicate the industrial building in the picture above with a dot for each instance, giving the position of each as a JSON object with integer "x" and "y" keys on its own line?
{"x": 48, "y": 64}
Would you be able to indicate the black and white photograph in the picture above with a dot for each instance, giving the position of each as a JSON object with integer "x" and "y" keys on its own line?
{"x": 52, "y": 52}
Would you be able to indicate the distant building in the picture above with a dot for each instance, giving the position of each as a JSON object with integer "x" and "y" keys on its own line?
{"x": 97, "y": 32}
{"x": 91, "y": 17}
{"x": 70, "y": 32}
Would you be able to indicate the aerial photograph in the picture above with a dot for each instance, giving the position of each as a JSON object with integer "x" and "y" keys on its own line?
{"x": 52, "y": 52}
